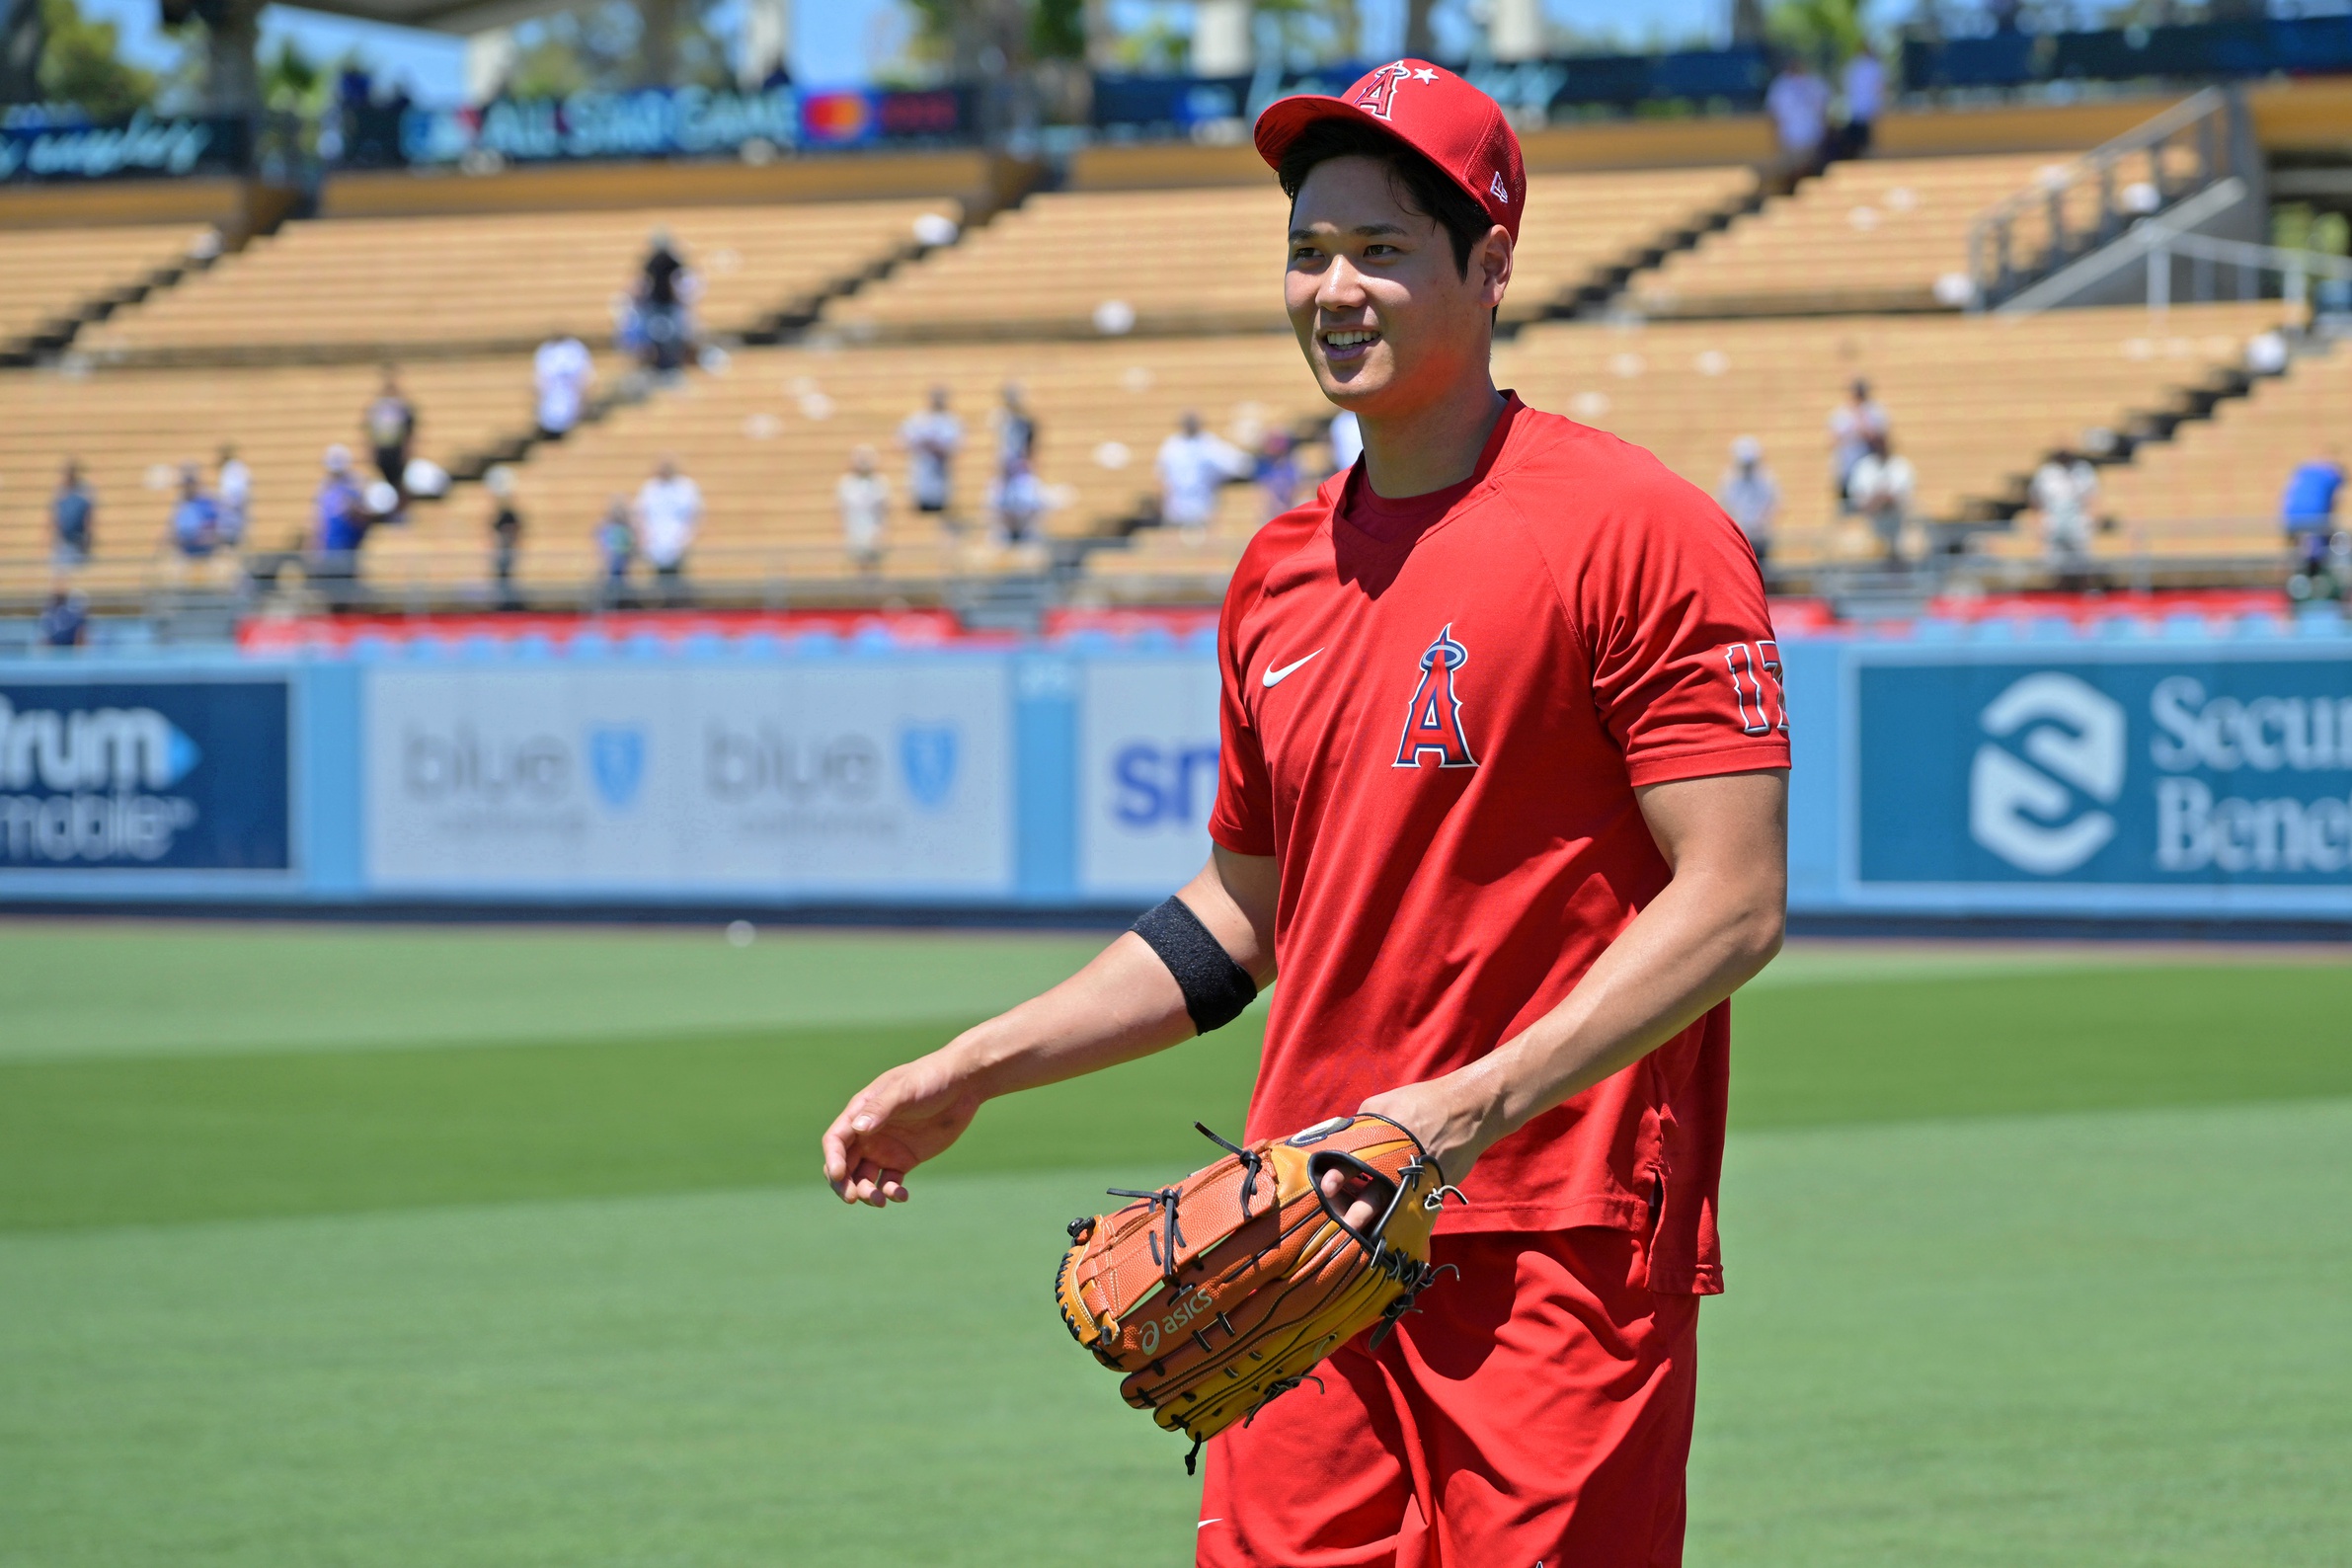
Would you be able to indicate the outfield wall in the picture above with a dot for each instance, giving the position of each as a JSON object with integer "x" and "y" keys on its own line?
{"x": 2188, "y": 777}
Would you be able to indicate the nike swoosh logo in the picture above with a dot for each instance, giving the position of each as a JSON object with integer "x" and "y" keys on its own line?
{"x": 1205, "y": 1523}
{"x": 1275, "y": 677}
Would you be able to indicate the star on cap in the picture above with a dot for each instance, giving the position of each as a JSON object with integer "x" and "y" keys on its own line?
{"x": 1425, "y": 74}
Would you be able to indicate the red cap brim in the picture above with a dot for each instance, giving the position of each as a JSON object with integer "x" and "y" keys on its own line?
{"x": 1286, "y": 119}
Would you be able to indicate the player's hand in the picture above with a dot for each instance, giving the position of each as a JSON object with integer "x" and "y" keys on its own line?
{"x": 1444, "y": 1113}
{"x": 906, "y": 1116}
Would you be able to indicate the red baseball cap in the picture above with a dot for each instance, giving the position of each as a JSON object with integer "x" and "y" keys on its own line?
{"x": 1430, "y": 111}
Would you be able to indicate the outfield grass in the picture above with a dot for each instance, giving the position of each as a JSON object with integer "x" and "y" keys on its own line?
{"x": 493, "y": 1247}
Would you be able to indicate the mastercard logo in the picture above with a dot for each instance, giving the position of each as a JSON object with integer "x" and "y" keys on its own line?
{"x": 836, "y": 116}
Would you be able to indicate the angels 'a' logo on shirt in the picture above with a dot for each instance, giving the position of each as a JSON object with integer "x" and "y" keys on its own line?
{"x": 1432, "y": 721}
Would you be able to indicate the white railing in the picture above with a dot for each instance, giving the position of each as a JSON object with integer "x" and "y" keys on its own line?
{"x": 2135, "y": 174}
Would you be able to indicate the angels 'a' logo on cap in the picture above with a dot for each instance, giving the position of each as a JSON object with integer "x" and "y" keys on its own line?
{"x": 1502, "y": 193}
{"x": 1377, "y": 94}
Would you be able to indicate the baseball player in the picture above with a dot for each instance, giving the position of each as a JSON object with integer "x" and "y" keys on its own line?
{"x": 1502, "y": 798}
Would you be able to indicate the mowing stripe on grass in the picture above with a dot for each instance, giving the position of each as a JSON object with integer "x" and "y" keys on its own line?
{"x": 2032, "y": 1343}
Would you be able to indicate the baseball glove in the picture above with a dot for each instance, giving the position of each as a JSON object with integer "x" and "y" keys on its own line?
{"x": 1219, "y": 1293}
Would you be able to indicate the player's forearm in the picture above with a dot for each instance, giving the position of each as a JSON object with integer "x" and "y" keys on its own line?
{"x": 1122, "y": 1005}
{"x": 1703, "y": 937}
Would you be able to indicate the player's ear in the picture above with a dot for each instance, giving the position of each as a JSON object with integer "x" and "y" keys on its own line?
{"x": 1490, "y": 265}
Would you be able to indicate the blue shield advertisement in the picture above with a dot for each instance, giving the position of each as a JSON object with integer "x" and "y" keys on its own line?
{"x": 2145, "y": 770}
{"x": 146, "y": 775}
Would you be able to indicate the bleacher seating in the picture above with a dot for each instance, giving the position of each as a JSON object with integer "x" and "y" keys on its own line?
{"x": 2213, "y": 489}
{"x": 50, "y": 277}
{"x": 352, "y": 287}
{"x": 1206, "y": 260}
{"x": 131, "y": 430}
{"x": 766, "y": 440}
{"x": 1876, "y": 234}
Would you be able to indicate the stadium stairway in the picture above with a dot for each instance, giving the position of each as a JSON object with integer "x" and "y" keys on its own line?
{"x": 55, "y": 281}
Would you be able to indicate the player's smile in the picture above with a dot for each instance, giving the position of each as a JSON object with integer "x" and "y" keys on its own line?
{"x": 1346, "y": 346}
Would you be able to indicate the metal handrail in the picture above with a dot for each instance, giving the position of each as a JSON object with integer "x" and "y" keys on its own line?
{"x": 1993, "y": 267}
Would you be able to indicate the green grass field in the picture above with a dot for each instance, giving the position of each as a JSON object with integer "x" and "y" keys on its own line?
{"x": 486, "y": 1247}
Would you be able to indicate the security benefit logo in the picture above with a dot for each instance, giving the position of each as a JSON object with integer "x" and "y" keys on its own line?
{"x": 2133, "y": 772}
{"x": 129, "y": 776}
{"x": 2025, "y": 809}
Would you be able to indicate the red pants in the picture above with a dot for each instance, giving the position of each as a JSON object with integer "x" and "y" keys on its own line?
{"x": 1535, "y": 1412}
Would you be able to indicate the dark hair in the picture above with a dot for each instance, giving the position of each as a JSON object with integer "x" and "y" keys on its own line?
{"x": 1423, "y": 185}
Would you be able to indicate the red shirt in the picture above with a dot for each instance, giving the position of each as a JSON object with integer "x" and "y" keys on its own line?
{"x": 1435, "y": 715}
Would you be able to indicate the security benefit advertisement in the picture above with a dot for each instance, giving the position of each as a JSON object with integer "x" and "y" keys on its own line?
{"x": 2163, "y": 772}
{"x": 1147, "y": 775}
{"x": 111, "y": 776}
{"x": 820, "y": 779}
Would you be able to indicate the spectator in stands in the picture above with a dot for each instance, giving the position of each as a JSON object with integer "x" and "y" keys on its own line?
{"x": 506, "y": 534}
{"x": 1192, "y": 465}
{"x": 562, "y": 371}
{"x": 665, "y": 288}
{"x": 1278, "y": 475}
{"x": 390, "y": 421}
{"x": 1347, "y": 442}
{"x": 1016, "y": 432}
{"x": 2063, "y": 490}
{"x": 1865, "y": 92}
{"x": 2308, "y": 506}
{"x": 1880, "y": 490}
{"x": 341, "y": 522}
{"x": 932, "y": 436}
{"x": 66, "y": 622}
{"x": 616, "y": 546}
{"x": 1016, "y": 500}
{"x": 1799, "y": 103}
{"x": 196, "y": 516}
{"x": 1851, "y": 424}
{"x": 1750, "y": 496}
{"x": 232, "y": 491}
{"x": 668, "y": 515}
{"x": 73, "y": 518}
{"x": 864, "y": 498}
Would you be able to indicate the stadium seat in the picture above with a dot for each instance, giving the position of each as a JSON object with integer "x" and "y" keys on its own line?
{"x": 52, "y": 277}
{"x": 1204, "y": 261}
{"x": 343, "y": 286}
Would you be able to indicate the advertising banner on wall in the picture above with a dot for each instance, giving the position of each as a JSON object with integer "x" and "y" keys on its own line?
{"x": 838, "y": 780}
{"x": 144, "y": 146}
{"x": 111, "y": 777}
{"x": 1147, "y": 775}
{"x": 2202, "y": 774}
{"x": 678, "y": 121}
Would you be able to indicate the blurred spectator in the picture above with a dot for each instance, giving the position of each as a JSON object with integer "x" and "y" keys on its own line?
{"x": 1799, "y": 103}
{"x": 2308, "y": 505}
{"x": 1346, "y": 437}
{"x": 195, "y": 517}
{"x": 66, "y": 622}
{"x": 1866, "y": 90}
{"x": 1851, "y": 424}
{"x": 2004, "y": 14}
{"x": 932, "y": 436}
{"x": 506, "y": 534}
{"x": 864, "y": 496}
{"x": 2064, "y": 491}
{"x": 666, "y": 287}
{"x": 341, "y": 520}
{"x": 1192, "y": 465}
{"x": 1016, "y": 502}
{"x": 1880, "y": 490}
{"x": 562, "y": 371}
{"x": 232, "y": 491}
{"x": 1750, "y": 496}
{"x": 1279, "y": 478}
{"x": 1016, "y": 432}
{"x": 390, "y": 422}
{"x": 668, "y": 515}
{"x": 73, "y": 518}
{"x": 616, "y": 546}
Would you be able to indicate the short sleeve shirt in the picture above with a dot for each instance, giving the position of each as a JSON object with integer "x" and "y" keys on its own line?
{"x": 1435, "y": 715}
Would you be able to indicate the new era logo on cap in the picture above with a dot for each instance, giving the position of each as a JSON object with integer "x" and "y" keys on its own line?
{"x": 1430, "y": 110}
